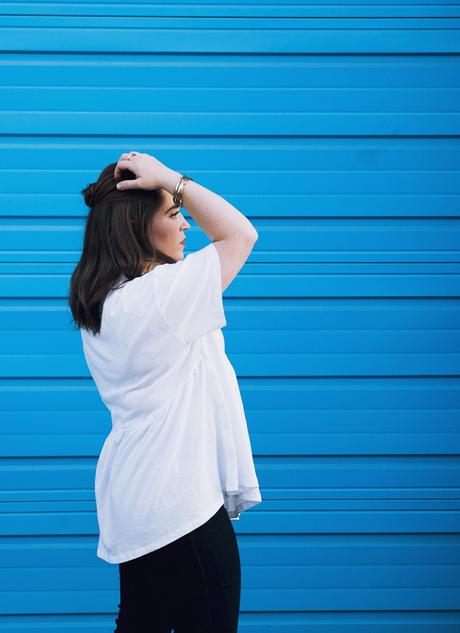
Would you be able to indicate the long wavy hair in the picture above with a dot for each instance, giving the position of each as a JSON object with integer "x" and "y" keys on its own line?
{"x": 116, "y": 242}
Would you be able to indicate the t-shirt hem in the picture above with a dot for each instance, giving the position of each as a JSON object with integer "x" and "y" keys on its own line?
{"x": 237, "y": 501}
{"x": 140, "y": 551}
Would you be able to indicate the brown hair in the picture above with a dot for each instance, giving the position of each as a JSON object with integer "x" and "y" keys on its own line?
{"x": 116, "y": 241}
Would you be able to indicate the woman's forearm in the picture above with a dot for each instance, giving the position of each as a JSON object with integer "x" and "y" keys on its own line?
{"x": 217, "y": 217}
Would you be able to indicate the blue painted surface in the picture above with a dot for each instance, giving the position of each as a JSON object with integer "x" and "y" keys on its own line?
{"x": 335, "y": 129}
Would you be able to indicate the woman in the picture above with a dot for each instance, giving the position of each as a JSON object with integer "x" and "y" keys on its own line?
{"x": 177, "y": 466}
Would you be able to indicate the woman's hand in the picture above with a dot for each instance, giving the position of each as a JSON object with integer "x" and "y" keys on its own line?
{"x": 150, "y": 173}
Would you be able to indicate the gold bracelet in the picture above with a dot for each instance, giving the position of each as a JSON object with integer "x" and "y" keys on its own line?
{"x": 178, "y": 191}
{"x": 177, "y": 195}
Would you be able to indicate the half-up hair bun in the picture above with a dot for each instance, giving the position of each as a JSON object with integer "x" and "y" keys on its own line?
{"x": 90, "y": 194}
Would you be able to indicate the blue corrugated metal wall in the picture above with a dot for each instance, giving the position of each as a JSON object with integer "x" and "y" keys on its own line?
{"x": 335, "y": 128}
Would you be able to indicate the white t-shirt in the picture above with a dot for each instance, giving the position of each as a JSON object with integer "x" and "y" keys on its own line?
{"x": 179, "y": 447}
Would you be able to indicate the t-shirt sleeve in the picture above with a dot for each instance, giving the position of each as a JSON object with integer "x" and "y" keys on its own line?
{"x": 189, "y": 294}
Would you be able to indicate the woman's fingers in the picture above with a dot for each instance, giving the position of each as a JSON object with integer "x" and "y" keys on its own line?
{"x": 145, "y": 168}
{"x": 122, "y": 164}
{"x": 129, "y": 184}
{"x": 127, "y": 164}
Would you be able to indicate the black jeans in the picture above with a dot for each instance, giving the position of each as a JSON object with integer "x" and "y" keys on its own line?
{"x": 191, "y": 585}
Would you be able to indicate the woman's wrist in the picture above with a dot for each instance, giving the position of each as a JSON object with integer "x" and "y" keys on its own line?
{"x": 170, "y": 180}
